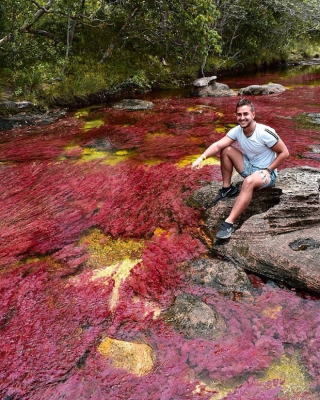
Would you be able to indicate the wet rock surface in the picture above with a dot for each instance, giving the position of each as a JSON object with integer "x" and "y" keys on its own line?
{"x": 208, "y": 87}
{"x": 30, "y": 118}
{"x": 223, "y": 276}
{"x": 270, "y": 88}
{"x": 278, "y": 236}
{"x": 133, "y": 104}
{"x": 194, "y": 318}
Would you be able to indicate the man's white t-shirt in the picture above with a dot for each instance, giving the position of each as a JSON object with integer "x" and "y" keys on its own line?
{"x": 257, "y": 146}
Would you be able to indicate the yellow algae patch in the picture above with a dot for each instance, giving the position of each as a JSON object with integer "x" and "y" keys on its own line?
{"x": 112, "y": 258}
{"x": 160, "y": 231}
{"x": 121, "y": 152}
{"x": 93, "y": 154}
{"x": 93, "y": 124}
{"x": 188, "y": 160}
{"x": 136, "y": 358}
{"x": 103, "y": 250}
{"x": 220, "y": 129}
{"x": 119, "y": 273}
{"x": 287, "y": 370}
{"x": 290, "y": 370}
{"x": 272, "y": 312}
{"x": 152, "y": 136}
{"x": 81, "y": 113}
{"x": 200, "y": 108}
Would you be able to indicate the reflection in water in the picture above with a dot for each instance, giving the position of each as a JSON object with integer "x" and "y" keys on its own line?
{"x": 94, "y": 222}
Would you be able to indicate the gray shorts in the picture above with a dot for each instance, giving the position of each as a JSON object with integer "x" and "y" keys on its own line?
{"x": 249, "y": 169}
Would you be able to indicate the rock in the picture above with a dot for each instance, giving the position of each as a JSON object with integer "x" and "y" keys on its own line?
{"x": 208, "y": 87}
{"x": 270, "y": 88}
{"x": 314, "y": 117}
{"x": 24, "y": 119}
{"x": 206, "y": 81}
{"x": 16, "y": 106}
{"x": 223, "y": 276}
{"x": 194, "y": 318}
{"x": 133, "y": 104}
{"x": 278, "y": 236}
{"x": 136, "y": 358}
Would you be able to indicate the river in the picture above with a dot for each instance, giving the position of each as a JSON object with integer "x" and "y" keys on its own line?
{"x": 94, "y": 223}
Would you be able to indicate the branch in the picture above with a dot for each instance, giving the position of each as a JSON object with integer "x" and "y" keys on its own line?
{"x": 42, "y": 33}
{"x": 26, "y": 27}
{"x": 116, "y": 39}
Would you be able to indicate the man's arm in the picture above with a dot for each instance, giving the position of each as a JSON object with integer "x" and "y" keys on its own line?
{"x": 282, "y": 154}
{"x": 212, "y": 150}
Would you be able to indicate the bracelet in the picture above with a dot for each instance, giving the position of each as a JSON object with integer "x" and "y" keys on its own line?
{"x": 203, "y": 157}
{"x": 269, "y": 170}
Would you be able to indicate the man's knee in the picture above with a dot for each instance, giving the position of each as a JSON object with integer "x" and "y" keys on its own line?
{"x": 227, "y": 150}
{"x": 255, "y": 180}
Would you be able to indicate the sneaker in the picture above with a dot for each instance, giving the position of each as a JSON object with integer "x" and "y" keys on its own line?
{"x": 226, "y": 193}
{"x": 225, "y": 230}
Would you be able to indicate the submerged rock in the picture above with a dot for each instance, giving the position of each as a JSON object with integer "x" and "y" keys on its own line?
{"x": 30, "y": 118}
{"x": 270, "y": 88}
{"x": 223, "y": 276}
{"x": 278, "y": 236}
{"x": 192, "y": 317}
{"x": 136, "y": 358}
{"x": 133, "y": 104}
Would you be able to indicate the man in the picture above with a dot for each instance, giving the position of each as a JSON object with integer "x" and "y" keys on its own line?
{"x": 262, "y": 152}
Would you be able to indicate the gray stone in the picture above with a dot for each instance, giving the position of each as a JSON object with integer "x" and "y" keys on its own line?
{"x": 223, "y": 276}
{"x": 270, "y": 88}
{"x": 206, "y": 81}
{"x": 212, "y": 90}
{"x": 194, "y": 318}
{"x": 30, "y": 118}
{"x": 133, "y": 104}
{"x": 314, "y": 117}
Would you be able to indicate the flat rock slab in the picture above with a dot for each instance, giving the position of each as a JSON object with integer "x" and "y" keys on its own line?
{"x": 278, "y": 236}
{"x": 133, "y": 104}
{"x": 223, "y": 276}
{"x": 270, "y": 88}
{"x": 30, "y": 118}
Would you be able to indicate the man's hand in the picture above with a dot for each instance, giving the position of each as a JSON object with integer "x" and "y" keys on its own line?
{"x": 197, "y": 164}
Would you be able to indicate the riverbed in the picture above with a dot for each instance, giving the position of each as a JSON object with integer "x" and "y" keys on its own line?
{"x": 95, "y": 222}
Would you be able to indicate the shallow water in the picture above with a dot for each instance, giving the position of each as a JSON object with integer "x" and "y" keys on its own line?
{"x": 94, "y": 223}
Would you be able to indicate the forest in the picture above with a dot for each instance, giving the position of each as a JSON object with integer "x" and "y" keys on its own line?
{"x": 53, "y": 50}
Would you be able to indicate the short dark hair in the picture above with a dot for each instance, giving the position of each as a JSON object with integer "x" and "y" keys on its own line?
{"x": 245, "y": 102}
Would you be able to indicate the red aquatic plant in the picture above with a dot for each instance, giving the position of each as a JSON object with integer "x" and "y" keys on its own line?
{"x": 53, "y": 315}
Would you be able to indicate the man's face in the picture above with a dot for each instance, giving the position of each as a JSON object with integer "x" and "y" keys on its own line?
{"x": 245, "y": 116}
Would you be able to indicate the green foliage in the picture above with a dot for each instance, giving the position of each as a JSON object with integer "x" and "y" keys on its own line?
{"x": 85, "y": 46}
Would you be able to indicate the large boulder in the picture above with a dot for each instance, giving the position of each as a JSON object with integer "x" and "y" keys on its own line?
{"x": 208, "y": 87}
{"x": 278, "y": 236}
{"x": 270, "y": 88}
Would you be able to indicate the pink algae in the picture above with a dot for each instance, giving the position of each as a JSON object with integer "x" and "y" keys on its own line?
{"x": 53, "y": 315}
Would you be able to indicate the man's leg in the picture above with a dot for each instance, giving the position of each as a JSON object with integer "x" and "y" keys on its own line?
{"x": 251, "y": 183}
{"x": 230, "y": 158}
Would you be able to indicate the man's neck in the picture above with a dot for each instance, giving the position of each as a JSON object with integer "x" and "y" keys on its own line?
{"x": 248, "y": 131}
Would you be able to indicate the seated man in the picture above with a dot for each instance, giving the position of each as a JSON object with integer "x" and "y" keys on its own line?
{"x": 262, "y": 152}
